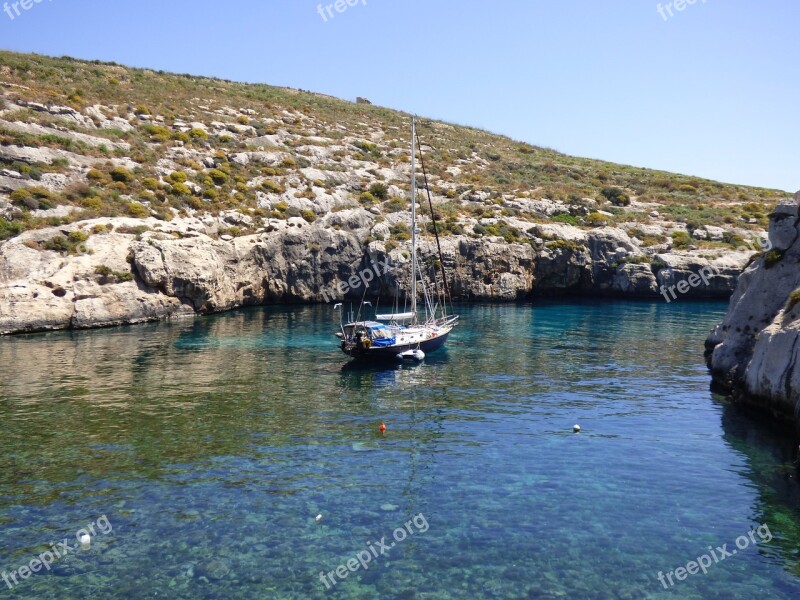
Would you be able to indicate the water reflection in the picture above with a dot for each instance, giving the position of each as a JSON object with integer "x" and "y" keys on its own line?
{"x": 772, "y": 466}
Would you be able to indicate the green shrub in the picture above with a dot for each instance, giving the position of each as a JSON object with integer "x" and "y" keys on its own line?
{"x": 616, "y": 196}
{"x": 21, "y": 195}
{"x": 394, "y": 205}
{"x": 150, "y": 183}
{"x": 164, "y": 214}
{"x": 647, "y": 239}
{"x": 210, "y": 193}
{"x": 71, "y": 244}
{"x": 379, "y": 190}
{"x": 510, "y": 234}
{"x": 642, "y": 259}
{"x": 400, "y": 232}
{"x": 368, "y": 151}
{"x": 77, "y": 237}
{"x": 681, "y": 239}
{"x": 367, "y": 199}
{"x": 194, "y": 202}
{"x": 231, "y": 231}
{"x": 734, "y": 240}
{"x": 273, "y": 187}
{"x": 794, "y": 298}
{"x": 181, "y": 189}
{"x": 41, "y": 193}
{"x": 773, "y": 257}
{"x": 565, "y": 218}
{"x": 139, "y": 211}
{"x": 57, "y": 244}
{"x": 103, "y": 270}
{"x": 570, "y": 245}
{"x": 108, "y": 275}
{"x": 138, "y": 230}
{"x": 93, "y": 203}
{"x": 309, "y": 215}
{"x": 596, "y": 219}
{"x": 218, "y": 177}
{"x": 178, "y": 177}
{"x": 121, "y": 174}
{"x": 158, "y": 133}
{"x": 198, "y": 134}
{"x": 9, "y": 229}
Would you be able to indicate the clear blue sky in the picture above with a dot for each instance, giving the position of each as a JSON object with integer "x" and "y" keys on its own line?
{"x": 711, "y": 91}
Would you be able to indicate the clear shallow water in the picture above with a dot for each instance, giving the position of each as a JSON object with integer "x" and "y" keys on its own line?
{"x": 211, "y": 445}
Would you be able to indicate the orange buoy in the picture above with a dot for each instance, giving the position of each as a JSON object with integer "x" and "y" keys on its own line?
{"x": 382, "y": 428}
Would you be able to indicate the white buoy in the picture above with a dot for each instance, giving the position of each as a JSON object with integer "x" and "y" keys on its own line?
{"x": 86, "y": 539}
{"x": 318, "y": 518}
{"x": 576, "y": 428}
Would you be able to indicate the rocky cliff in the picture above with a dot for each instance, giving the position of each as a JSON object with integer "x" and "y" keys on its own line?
{"x": 132, "y": 270}
{"x": 755, "y": 351}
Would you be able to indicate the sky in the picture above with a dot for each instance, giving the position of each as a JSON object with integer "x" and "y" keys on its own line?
{"x": 710, "y": 90}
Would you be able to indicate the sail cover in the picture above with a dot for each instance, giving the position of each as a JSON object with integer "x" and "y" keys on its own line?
{"x": 395, "y": 316}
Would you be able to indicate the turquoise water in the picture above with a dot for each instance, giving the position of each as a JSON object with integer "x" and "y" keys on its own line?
{"x": 210, "y": 446}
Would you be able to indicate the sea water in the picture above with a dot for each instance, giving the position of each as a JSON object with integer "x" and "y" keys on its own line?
{"x": 239, "y": 456}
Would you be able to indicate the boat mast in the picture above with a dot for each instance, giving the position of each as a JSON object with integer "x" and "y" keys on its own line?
{"x": 413, "y": 221}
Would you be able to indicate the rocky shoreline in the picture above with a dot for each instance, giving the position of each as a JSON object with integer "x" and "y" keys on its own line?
{"x": 755, "y": 351}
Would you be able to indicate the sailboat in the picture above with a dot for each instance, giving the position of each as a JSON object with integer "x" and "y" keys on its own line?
{"x": 404, "y": 336}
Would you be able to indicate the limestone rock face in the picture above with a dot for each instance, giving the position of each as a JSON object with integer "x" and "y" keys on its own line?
{"x": 754, "y": 351}
{"x": 491, "y": 270}
{"x": 184, "y": 267}
{"x": 42, "y": 290}
{"x": 636, "y": 280}
{"x": 716, "y": 277}
{"x": 211, "y": 275}
{"x": 783, "y": 230}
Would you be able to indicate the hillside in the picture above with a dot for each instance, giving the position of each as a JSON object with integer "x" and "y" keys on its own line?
{"x": 94, "y": 156}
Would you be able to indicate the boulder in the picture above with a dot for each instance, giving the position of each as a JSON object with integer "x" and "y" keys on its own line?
{"x": 783, "y": 225}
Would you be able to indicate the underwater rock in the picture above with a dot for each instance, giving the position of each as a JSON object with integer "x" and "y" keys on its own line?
{"x": 213, "y": 569}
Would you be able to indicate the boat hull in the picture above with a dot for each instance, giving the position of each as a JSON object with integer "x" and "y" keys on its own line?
{"x": 391, "y": 352}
